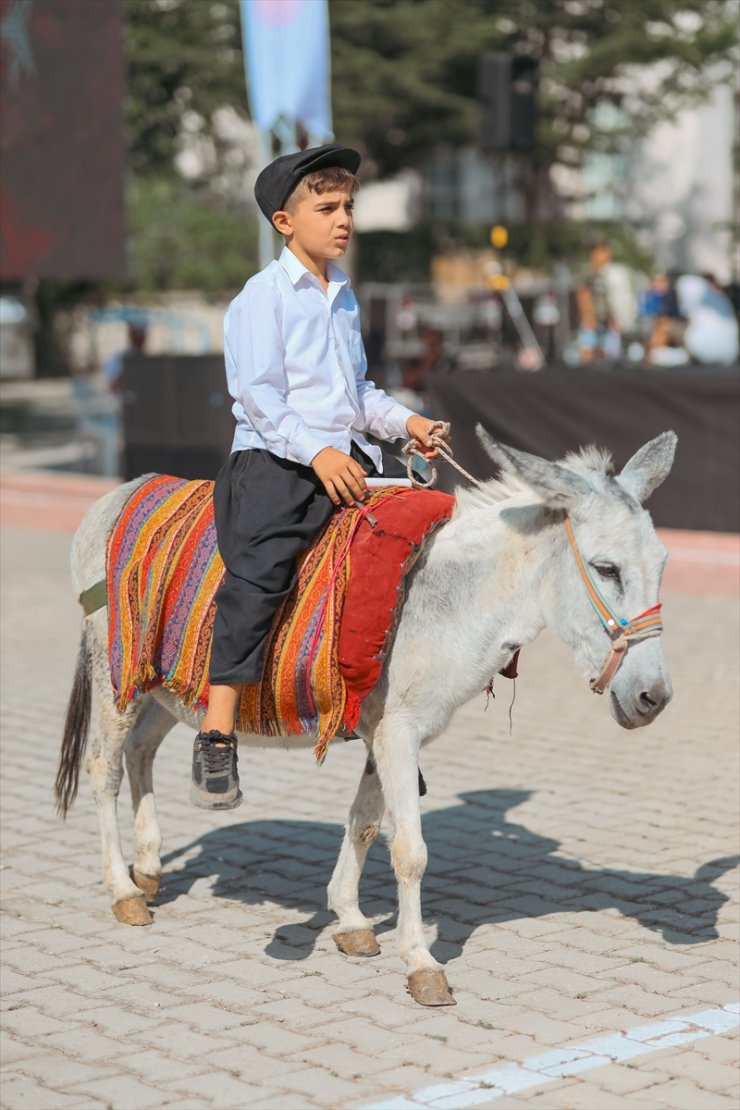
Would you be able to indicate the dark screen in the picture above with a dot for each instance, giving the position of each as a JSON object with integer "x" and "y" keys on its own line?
{"x": 61, "y": 138}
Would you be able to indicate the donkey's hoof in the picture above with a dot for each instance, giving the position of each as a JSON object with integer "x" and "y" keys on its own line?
{"x": 148, "y": 884}
{"x": 430, "y": 988}
{"x": 357, "y": 942}
{"x": 132, "y": 911}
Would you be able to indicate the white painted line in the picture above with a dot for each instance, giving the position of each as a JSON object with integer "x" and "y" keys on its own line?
{"x": 547, "y": 1067}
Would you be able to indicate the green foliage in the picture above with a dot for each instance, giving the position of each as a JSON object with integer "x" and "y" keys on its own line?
{"x": 184, "y": 62}
{"x": 404, "y": 79}
{"x": 181, "y": 241}
{"x": 405, "y": 71}
{"x": 404, "y": 75}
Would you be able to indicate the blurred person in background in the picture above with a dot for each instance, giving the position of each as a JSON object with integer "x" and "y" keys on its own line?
{"x": 659, "y": 299}
{"x": 433, "y": 359}
{"x": 599, "y": 335}
{"x": 113, "y": 366}
{"x": 711, "y": 334}
{"x": 665, "y": 323}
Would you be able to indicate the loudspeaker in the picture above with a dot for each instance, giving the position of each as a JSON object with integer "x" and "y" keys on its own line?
{"x": 176, "y": 415}
{"x": 494, "y": 81}
{"x": 507, "y": 89}
{"x": 524, "y": 74}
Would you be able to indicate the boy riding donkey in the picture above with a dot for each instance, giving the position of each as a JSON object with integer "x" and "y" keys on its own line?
{"x": 296, "y": 367}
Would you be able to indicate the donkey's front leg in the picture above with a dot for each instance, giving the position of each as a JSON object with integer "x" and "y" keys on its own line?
{"x": 396, "y": 752}
{"x": 354, "y": 935}
{"x": 150, "y": 728}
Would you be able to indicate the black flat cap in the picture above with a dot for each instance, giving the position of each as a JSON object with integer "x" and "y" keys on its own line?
{"x": 277, "y": 181}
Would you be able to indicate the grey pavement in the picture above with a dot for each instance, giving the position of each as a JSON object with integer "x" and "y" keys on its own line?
{"x": 581, "y": 882}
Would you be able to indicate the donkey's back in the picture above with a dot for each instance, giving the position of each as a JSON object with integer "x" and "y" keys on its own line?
{"x": 90, "y": 540}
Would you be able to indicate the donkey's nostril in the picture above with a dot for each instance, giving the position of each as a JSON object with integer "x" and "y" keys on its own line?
{"x": 647, "y": 700}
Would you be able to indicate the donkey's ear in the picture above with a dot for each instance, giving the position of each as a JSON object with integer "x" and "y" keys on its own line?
{"x": 557, "y": 486}
{"x": 649, "y": 466}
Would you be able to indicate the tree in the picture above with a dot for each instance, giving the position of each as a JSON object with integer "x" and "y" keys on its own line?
{"x": 405, "y": 71}
{"x": 180, "y": 241}
{"x": 185, "y": 64}
{"x": 405, "y": 80}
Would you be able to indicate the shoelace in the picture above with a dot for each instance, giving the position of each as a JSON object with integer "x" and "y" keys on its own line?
{"x": 216, "y": 759}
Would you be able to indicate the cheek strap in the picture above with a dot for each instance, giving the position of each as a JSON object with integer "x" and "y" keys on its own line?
{"x": 621, "y": 632}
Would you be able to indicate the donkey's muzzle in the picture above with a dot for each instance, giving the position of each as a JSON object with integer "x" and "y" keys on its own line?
{"x": 644, "y": 708}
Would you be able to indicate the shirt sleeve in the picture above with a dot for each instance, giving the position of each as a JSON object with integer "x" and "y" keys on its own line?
{"x": 384, "y": 417}
{"x": 255, "y": 340}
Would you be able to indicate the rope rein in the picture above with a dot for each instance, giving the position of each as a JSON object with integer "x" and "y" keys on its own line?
{"x": 438, "y": 438}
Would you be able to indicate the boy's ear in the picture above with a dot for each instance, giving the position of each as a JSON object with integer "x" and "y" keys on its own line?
{"x": 282, "y": 222}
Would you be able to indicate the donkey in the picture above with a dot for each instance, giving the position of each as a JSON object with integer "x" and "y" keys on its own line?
{"x": 565, "y": 545}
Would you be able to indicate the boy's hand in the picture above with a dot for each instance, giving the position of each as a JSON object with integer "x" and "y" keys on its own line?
{"x": 420, "y": 429}
{"x": 342, "y": 477}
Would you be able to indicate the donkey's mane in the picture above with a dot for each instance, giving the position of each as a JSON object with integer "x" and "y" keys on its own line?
{"x": 591, "y": 461}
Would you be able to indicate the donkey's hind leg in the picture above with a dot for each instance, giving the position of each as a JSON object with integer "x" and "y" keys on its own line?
{"x": 105, "y": 768}
{"x": 152, "y": 724}
{"x": 354, "y": 935}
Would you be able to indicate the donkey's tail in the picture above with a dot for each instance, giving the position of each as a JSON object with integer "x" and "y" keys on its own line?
{"x": 76, "y": 728}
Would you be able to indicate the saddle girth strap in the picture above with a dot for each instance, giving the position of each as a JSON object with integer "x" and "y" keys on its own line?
{"x": 95, "y": 598}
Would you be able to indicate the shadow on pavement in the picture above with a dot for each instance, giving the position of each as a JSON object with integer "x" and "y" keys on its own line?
{"x": 483, "y": 870}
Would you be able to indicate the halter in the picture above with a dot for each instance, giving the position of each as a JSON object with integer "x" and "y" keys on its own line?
{"x": 620, "y": 631}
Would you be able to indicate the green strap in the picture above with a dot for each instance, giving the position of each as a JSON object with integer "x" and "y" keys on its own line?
{"x": 95, "y": 598}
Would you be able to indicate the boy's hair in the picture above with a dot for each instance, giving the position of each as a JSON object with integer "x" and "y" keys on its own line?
{"x": 331, "y": 178}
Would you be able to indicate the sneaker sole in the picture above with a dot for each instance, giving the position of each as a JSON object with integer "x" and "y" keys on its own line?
{"x": 203, "y": 800}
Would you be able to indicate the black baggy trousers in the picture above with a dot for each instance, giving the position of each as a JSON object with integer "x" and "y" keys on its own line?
{"x": 267, "y": 512}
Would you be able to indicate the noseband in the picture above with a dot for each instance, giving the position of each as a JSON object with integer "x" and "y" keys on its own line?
{"x": 620, "y": 631}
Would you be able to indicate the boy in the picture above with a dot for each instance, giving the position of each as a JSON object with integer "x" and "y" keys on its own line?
{"x": 296, "y": 368}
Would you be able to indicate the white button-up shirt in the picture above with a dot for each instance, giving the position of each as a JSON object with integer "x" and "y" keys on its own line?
{"x": 296, "y": 365}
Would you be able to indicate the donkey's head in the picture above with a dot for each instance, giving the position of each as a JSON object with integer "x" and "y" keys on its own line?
{"x": 606, "y": 564}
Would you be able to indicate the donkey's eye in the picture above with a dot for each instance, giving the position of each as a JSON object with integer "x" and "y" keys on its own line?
{"x": 607, "y": 570}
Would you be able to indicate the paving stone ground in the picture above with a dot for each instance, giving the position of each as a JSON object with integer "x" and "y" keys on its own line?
{"x": 582, "y": 880}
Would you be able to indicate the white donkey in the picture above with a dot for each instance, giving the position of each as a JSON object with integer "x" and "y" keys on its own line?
{"x": 564, "y": 545}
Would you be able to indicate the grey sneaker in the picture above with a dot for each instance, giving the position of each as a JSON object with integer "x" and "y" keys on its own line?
{"x": 215, "y": 783}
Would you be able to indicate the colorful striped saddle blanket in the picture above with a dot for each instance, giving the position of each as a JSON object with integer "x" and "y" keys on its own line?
{"x": 326, "y": 647}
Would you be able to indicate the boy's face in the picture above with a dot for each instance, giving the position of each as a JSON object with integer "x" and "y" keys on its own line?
{"x": 321, "y": 225}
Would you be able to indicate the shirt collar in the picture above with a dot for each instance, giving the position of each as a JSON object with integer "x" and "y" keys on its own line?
{"x": 295, "y": 269}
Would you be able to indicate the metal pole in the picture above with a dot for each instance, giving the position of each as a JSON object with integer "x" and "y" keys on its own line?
{"x": 521, "y": 323}
{"x": 284, "y": 131}
{"x": 266, "y": 237}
